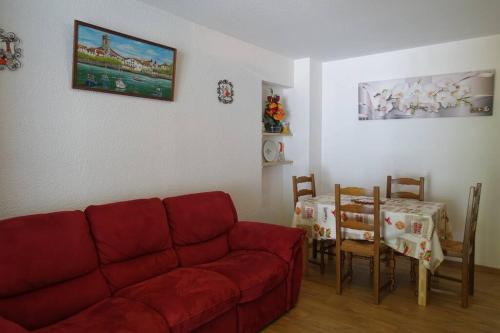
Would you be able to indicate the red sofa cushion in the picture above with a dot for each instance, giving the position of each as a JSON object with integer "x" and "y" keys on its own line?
{"x": 7, "y": 326}
{"x": 112, "y": 315}
{"x": 254, "y": 272}
{"x": 200, "y": 222}
{"x": 48, "y": 268}
{"x": 277, "y": 239}
{"x": 186, "y": 297}
{"x": 132, "y": 239}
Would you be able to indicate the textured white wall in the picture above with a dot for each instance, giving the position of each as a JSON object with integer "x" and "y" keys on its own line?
{"x": 452, "y": 153}
{"x": 62, "y": 148}
{"x": 297, "y": 147}
{"x": 315, "y": 121}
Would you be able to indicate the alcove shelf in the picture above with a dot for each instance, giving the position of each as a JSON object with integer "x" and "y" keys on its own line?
{"x": 278, "y": 90}
{"x": 275, "y": 163}
{"x": 264, "y": 134}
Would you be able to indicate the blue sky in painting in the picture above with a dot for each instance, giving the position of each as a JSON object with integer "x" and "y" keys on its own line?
{"x": 125, "y": 47}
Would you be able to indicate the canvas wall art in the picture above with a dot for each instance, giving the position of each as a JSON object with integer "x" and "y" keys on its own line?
{"x": 10, "y": 53}
{"x": 112, "y": 62}
{"x": 449, "y": 95}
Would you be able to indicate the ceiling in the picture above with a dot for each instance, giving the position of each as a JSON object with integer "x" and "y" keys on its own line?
{"x": 336, "y": 29}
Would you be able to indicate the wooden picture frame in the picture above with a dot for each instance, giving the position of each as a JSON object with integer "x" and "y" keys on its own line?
{"x": 112, "y": 62}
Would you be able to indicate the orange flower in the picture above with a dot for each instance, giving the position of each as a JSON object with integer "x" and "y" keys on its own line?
{"x": 406, "y": 248}
{"x": 279, "y": 116}
{"x": 400, "y": 225}
{"x": 343, "y": 216}
{"x": 298, "y": 210}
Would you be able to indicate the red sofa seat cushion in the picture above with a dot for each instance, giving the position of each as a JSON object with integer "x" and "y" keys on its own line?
{"x": 186, "y": 297}
{"x": 199, "y": 224}
{"x": 48, "y": 268}
{"x": 254, "y": 272}
{"x": 132, "y": 239}
{"x": 112, "y": 315}
{"x": 7, "y": 326}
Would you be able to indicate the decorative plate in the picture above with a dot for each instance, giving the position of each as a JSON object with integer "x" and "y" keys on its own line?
{"x": 9, "y": 51}
{"x": 225, "y": 91}
{"x": 270, "y": 151}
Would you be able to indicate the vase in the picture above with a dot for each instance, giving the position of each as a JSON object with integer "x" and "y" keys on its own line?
{"x": 274, "y": 128}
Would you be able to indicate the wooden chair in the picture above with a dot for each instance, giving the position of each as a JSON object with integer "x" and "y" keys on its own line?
{"x": 465, "y": 251}
{"x": 407, "y": 195}
{"x": 325, "y": 246}
{"x": 365, "y": 248}
{"x": 404, "y": 194}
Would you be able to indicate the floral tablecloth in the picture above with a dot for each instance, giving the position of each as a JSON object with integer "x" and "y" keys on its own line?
{"x": 409, "y": 226}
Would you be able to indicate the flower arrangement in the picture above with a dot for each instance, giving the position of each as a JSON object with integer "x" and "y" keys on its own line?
{"x": 429, "y": 97}
{"x": 274, "y": 113}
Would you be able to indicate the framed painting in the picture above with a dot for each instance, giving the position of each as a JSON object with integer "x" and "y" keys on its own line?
{"x": 112, "y": 62}
{"x": 449, "y": 95}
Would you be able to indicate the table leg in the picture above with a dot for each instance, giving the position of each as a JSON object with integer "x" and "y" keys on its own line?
{"x": 422, "y": 284}
{"x": 305, "y": 252}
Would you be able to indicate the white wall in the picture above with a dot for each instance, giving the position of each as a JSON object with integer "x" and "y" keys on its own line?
{"x": 298, "y": 101}
{"x": 63, "y": 149}
{"x": 315, "y": 120}
{"x": 452, "y": 153}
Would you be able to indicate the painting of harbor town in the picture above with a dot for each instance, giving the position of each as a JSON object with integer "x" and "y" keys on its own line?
{"x": 109, "y": 61}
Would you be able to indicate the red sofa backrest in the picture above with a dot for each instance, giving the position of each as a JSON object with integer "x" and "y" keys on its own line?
{"x": 132, "y": 239}
{"x": 48, "y": 267}
{"x": 199, "y": 224}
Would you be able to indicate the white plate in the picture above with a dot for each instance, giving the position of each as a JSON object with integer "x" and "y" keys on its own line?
{"x": 270, "y": 151}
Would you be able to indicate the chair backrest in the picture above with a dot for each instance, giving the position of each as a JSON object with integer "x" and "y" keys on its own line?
{"x": 306, "y": 191}
{"x": 342, "y": 220}
{"x": 405, "y": 194}
{"x": 471, "y": 218}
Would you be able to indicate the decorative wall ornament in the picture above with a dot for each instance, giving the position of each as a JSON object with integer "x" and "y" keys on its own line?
{"x": 108, "y": 61}
{"x": 449, "y": 95}
{"x": 9, "y": 51}
{"x": 225, "y": 91}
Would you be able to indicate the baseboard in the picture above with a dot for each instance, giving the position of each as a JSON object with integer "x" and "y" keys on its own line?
{"x": 479, "y": 268}
{"x": 487, "y": 269}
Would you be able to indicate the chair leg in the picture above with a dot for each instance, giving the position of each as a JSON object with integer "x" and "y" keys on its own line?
{"x": 371, "y": 267}
{"x": 471, "y": 273}
{"x": 349, "y": 265}
{"x": 315, "y": 248}
{"x": 322, "y": 256}
{"x": 392, "y": 270}
{"x": 413, "y": 270}
{"x": 331, "y": 253}
{"x": 338, "y": 271}
{"x": 376, "y": 278}
{"x": 465, "y": 283}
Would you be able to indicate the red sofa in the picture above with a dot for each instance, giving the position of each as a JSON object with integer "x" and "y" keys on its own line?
{"x": 182, "y": 265}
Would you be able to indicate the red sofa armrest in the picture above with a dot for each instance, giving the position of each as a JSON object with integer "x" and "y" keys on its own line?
{"x": 279, "y": 240}
{"x": 7, "y": 326}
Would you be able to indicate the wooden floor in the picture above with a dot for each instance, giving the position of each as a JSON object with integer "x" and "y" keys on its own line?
{"x": 320, "y": 309}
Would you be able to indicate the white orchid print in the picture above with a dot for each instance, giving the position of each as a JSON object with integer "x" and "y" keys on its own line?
{"x": 445, "y": 95}
{"x": 429, "y": 97}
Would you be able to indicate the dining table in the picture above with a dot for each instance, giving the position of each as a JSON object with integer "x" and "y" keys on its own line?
{"x": 411, "y": 227}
